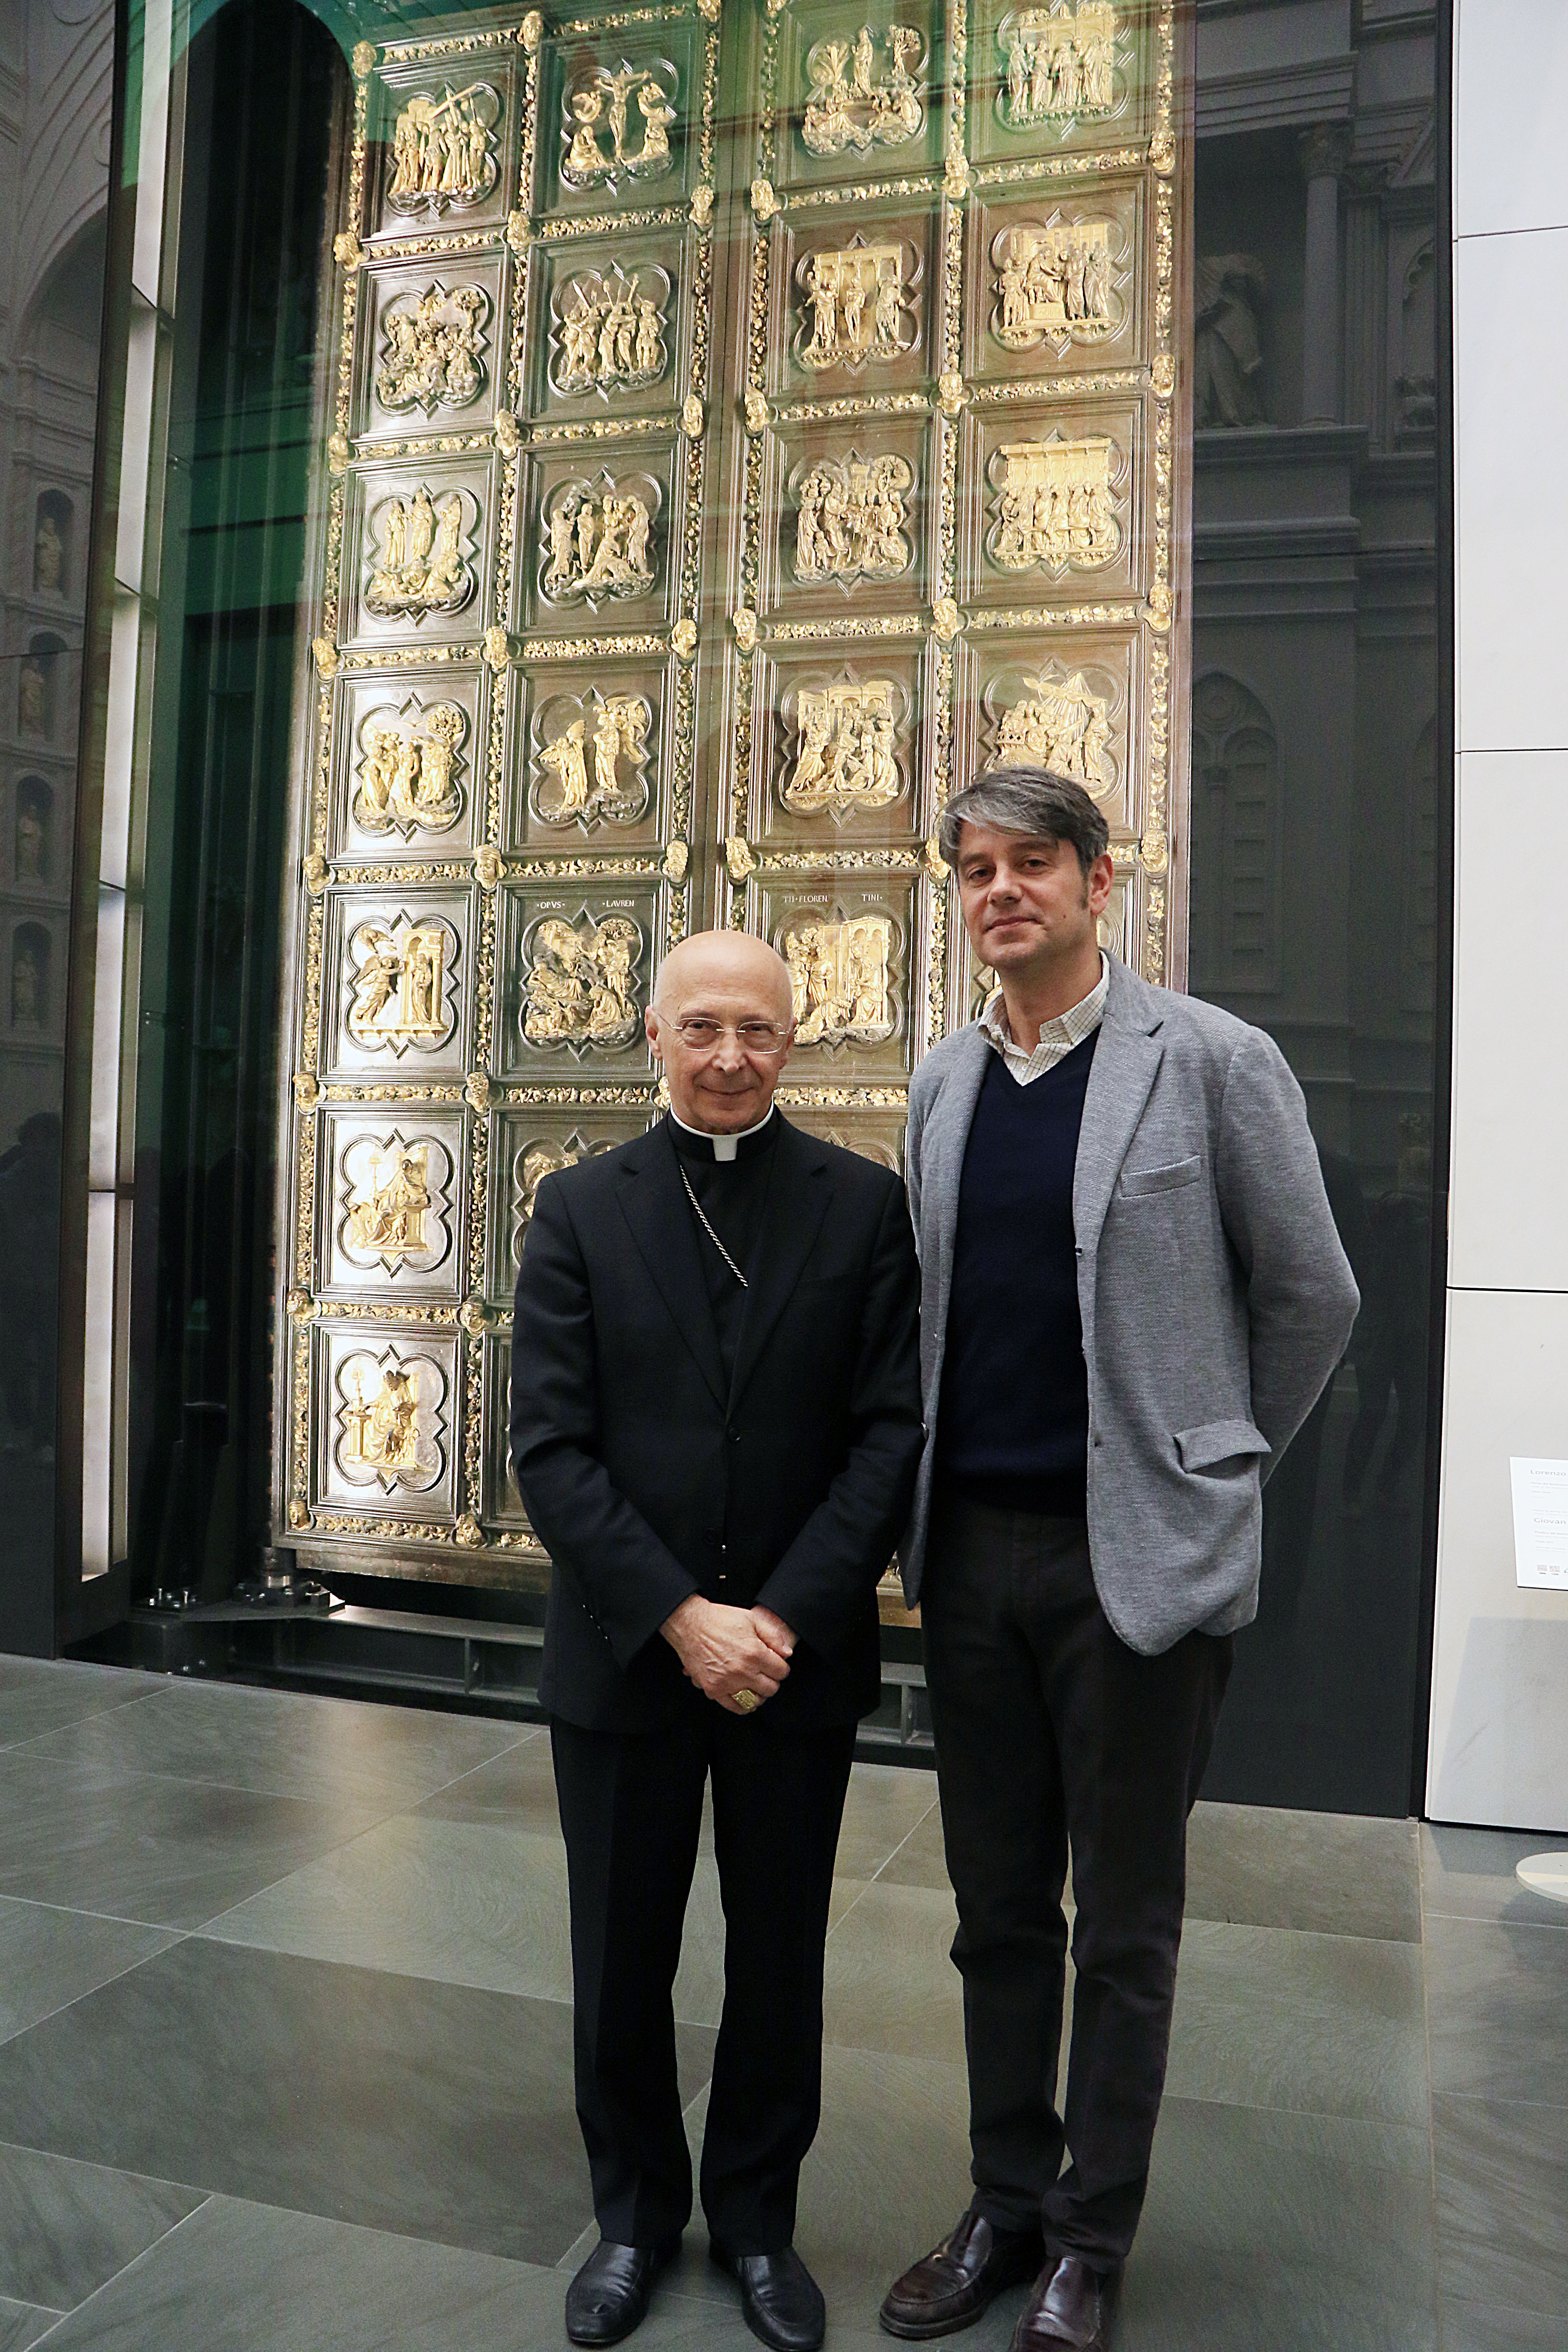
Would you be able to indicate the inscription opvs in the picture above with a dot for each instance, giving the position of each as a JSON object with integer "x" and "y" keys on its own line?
{"x": 443, "y": 150}
{"x": 839, "y": 972}
{"x": 850, "y": 105}
{"x": 845, "y": 757}
{"x": 1054, "y": 506}
{"x": 855, "y": 307}
{"x": 432, "y": 349}
{"x": 579, "y": 983}
{"x": 851, "y": 519}
{"x": 1057, "y": 64}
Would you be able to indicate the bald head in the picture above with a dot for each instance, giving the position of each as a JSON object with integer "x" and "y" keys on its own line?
{"x": 734, "y": 982}
{"x": 731, "y": 962}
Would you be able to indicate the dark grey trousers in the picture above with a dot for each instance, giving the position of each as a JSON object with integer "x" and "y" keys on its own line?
{"x": 1051, "y": 1734}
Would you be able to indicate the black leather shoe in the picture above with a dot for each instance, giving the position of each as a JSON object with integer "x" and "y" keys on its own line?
{"x": 780, "y": 2301}
{"x": 951, "y": 2286}
{"x": 608, "y": 2297}
{"x": 1066, "y": 2313}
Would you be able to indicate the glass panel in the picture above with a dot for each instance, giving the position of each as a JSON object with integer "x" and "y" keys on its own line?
{"x": 1313, "y": 816}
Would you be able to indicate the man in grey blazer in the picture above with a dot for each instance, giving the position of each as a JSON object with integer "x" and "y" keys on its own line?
{"x": 1133, "y": 1294}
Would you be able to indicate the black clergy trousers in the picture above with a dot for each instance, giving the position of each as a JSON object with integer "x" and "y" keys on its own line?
{"x": 631, "y": 1812}
{"x": 1051, "y": 1733}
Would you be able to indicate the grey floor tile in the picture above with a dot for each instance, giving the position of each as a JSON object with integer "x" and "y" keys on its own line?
{"x": 48, "y": 1957}
{"x": 170, "y": 1853}
{"x": 286, "y": 1743}
{"x": 41, "y": 1695}
{"x": 885, "y": 1807}
{"x": 920, "y": 1860}
{"x": 21, "y": 2325}
{"x": 239, "y": 2277}
{"x": 1470, "y": 1874}
{"x": 430, "y": 2109}
{"x": 1497, "y": 2000}
{"x": 889, "y": 1983}
{"x": 1169, "y": 2305}
{"x": 1271, "y": 2017}
{"x": 67, "y": 2226}
{"x": 1336, "y": 1875}
{"x": 1495, "y": 2328}
{"x": 1502, "y": 2192}
{"x": 517, "y": 1786}
{"x": 1241, "y": 2199}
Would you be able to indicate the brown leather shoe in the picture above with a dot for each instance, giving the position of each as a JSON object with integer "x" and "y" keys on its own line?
{"x": 951, "y": 2286}
{"x": 1065, "y": 2308}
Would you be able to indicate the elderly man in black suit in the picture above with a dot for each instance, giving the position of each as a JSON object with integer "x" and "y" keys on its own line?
{"x": 715, "y": 1426}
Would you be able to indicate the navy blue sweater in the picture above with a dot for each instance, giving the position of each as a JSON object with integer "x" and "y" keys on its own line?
{"x": 1013, "y": 1421}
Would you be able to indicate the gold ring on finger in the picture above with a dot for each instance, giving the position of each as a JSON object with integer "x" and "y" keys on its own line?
{"x": 747, "y": 1701}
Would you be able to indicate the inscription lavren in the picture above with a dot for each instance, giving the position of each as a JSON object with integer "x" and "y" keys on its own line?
{"x": 839, "y": 972}
{"x": 1058, "y": 63}
{"x": 579, "y": 982}
{"x": 419, "y": 558}
{"x": 844, "y": 757}
{"x": 443, "y": 152}
{"x": 850, "y": 523}
{"x": 591, "y": 763}
{"x": 1054, "y": 506}
{"x": 851, "y": 106}
{"x": 398, "y": 972}
{"x": 854, "y": 306}
{"x": 407, "y": 779}
{"x": 432, "y": 349}
{"x": 609, "y": 329}
{"x": 1054, "y": 284}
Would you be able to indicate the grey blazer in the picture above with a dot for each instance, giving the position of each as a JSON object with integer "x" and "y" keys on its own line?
{"x": 1216, "y": 1298}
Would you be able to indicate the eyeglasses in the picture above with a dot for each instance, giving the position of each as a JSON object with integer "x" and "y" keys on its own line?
{"x": 700, "y": 1035}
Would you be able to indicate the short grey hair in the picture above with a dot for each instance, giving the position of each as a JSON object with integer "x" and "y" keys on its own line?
{"x": 1034, "y": 801}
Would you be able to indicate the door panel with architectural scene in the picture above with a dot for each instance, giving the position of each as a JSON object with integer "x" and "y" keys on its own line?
{"x": 747, "y": 425}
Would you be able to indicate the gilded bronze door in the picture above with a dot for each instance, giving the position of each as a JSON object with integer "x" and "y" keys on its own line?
{"x": 748, "y": 425}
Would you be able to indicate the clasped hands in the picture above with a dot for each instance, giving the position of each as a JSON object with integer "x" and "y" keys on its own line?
{"x": 727, "y": 1651}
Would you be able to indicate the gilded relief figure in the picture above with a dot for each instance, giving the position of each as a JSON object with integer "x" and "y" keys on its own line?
{"x": 443, "y": 151}
{"x": 1058, "y": 63}
{"x": 408, "y": 773}
{"x": 390, "y": 1420}
{"x": 387, "y": 1196}
{"x": 592, "y": 771}
{"x": 1061, "y": 725}
{"x": 579, "y": 987}
{"x": 844, "y": 751}
{"x": 432, "y": 349}
{"x": 609, "y": 333}
{"x": 602, "y": 107}
{"x": 1054, "y": 506}
{"x": 1054, "y": 284}
{"x": 849, "y": 107}
{"x": 596, "y": 544}
{"x": 839, "y": 975}
{"x": 850, "y": 524}
{"x": 421, "y": 564}
{"x": 855, "y": 309}
{"x": 397, "y": 979}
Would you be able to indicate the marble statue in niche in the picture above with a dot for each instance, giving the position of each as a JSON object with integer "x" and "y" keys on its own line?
{"x": 1054, "y": 506}
{"x": 32, "y": 696}
{"x": 1229, "y": 290}
{"x": 838, "y": 971}
{"x": 579, "y": 982}
{"x": 432, "y": 349}
{"x": 29, "y": 844}
{"x": 443, "y": 152}
{"x": 591, "y": 768}
{"x": 844, "y": 757}
{"x": 609, "y": 331}
{"x": 407, "y": 779}
{"x": 851, "y": 520}
{"x": 850, "y": 106}
{"x": 48, "y": 555}
{"x": 27, "y": 955}
{"x": 1058, "y": 63}
{"x": 420, "y": 563}
{"x": 855, "y": 306}
{"x": 600, "y": 108}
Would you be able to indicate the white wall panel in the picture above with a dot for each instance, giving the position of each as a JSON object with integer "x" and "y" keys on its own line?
{"x": 1499, "y": 1748}
{"x": 1507, "y": 1229}
{"x": 1510, "y": 158}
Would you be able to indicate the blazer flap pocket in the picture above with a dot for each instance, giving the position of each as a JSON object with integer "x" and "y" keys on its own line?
{"x": 1163, "y": 1179}
{"x": 1219, "y": 1441}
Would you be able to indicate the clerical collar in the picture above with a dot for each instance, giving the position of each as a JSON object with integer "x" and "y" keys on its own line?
{"x": 688, "y": 1141}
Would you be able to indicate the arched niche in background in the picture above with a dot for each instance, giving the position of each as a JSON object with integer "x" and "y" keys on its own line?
{"x": 53, "y": 520}
{"x": 32, "y": 825}
{"x": 1236, "y": 842}
{"x": 39, "y": 687}
{"x": 29, "y": 976}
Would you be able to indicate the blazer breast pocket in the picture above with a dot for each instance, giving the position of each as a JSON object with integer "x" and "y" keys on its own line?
{"x": 1164, "y": 1179}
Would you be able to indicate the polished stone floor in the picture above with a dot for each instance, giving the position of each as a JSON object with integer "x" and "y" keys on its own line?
{"x": 285, "y": 2054}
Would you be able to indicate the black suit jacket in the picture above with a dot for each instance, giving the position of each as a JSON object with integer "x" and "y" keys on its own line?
{"x": 647, "y": 1482}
